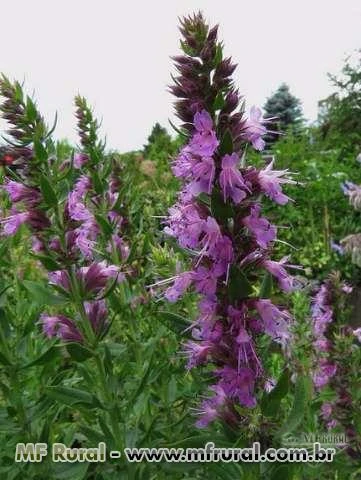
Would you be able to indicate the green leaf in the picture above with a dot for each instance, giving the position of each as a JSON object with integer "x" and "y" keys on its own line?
{"x": 4, "y": 360}
{"x": 239, "y": 286}
{"x": 48, "y": 191}
{"x": 301, "y": 399}
{"x": 226, "y": 145}
{"x": 42, "y": 295}
{"x": 104, "y": 224}
{"x": 78, "y": 352}
{"x": 220, "y": 210}
{"x": 180, "y": 132}
{"x": 219, "y": 102}
{"x": 219, "y": 54}
{"x": 96, "y": 181}
{"x": 48, "y": 262}
{"x": 270, "y": 403}
{"x": 45, "y": 357}
{"x": 195, "y": 441}
{"x": 31, "y": 111}
{"x": 266, "y": 287}
{"x": 173, "y": 321}
{"x": 73, "y": 471}
{"x": 40, "y": 152}
{"x": 70, "y": 396}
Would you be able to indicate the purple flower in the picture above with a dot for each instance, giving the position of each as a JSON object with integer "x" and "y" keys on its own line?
{"x": 77, "y": 209}
{"x": 276, "y": 322}
{"x": 12, "y": 223}
{"x": 325, "y": 371}
{"x": 212, "y": 235}
{"x": 238, "y": 384}
{"x": 96, "y": 277}
{"x": 118, "y": 245}
{"x": 180, "y": 285}
{"x": 97, "y": 313}
{"x": 93, "y": 278}
{"x": 357, "y": 334}
{"x": 19, "y": 192}
{"x": 204, "y": 142}
{"x": 285, "y": 281}
{"x": 86, "y": 236}
{"x": 260, "y": 227}
{"x": 183, "y": 165}
{"x": 231, "y": 181}
{"x": 255, "y": 129}
{"x": 326, "y": 410}
{"x": 61, "y": 327}
{"x": 60, "y": 278}
{"x": 203, "y": 174}
{"x": 270, "y": 182}
{"x": 185, "y": 223}
{"x": 211, "y": 407}
{"x": 197, "y": 353}
{"x": 80, "y": 159}
{"x": 82, "y": 186}
{"x": 270, "y": 384}
{"x": 37, "y": 245}
{"x": 205, "y": 280}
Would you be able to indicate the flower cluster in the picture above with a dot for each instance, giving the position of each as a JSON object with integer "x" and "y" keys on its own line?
{"x": 218, "y": 219}
{"x": 332, "y": 341}
{"x": 322, "y": 317}
{"x": 351, "y": 244}
{"x": 76, "y": 233}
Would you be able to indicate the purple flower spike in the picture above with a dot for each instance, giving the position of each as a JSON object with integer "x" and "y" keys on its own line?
{"x": 229, "y": 243}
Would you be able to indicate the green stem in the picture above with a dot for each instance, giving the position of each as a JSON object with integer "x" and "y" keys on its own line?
{"x": 108, "y": 398}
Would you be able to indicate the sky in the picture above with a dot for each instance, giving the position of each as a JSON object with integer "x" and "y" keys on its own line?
{"x": 117, "y": 54}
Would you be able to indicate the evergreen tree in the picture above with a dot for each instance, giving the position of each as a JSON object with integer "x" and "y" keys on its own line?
{"x": 287, "y": 110}
{"x": 159, "y": 141}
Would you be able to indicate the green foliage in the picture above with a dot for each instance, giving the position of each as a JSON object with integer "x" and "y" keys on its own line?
{"x": 340, "y": 119}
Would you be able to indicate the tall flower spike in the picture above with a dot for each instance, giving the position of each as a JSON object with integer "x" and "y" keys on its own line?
{"x": 334, "y": 351}
{"x": 225, "y": 228}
